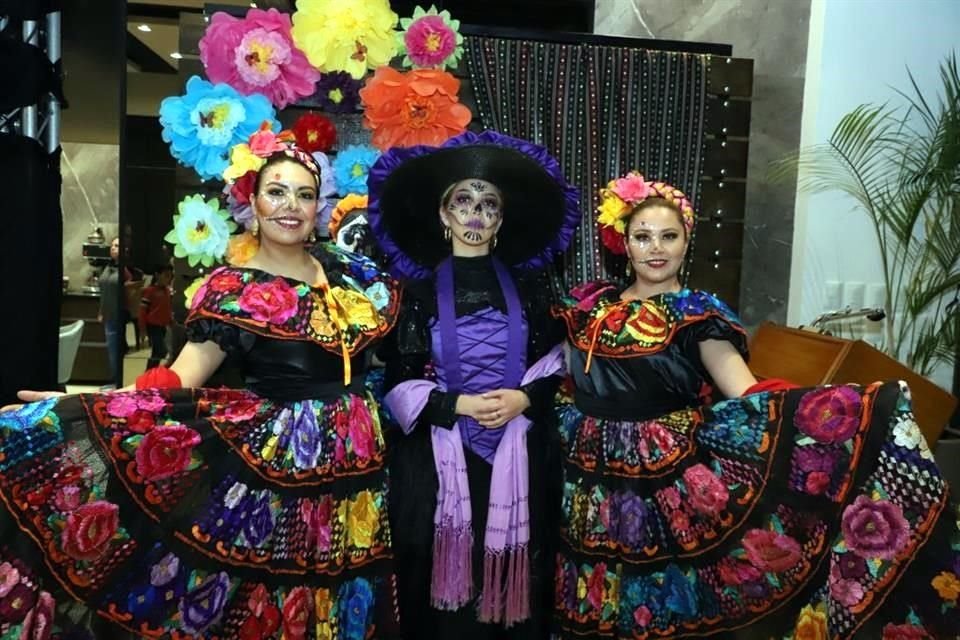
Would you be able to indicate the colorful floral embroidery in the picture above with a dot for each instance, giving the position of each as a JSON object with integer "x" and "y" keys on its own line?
{"x": 716, "y": 580}
{"x": 600, "y": 323}
{"x": 284, "y": 309}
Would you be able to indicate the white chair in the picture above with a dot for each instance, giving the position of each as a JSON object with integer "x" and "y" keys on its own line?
{"x": 70, "y": 335}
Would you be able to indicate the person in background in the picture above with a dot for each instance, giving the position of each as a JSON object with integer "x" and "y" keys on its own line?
{"x": 109, "y": 314}
{"x": 156, "y": 313}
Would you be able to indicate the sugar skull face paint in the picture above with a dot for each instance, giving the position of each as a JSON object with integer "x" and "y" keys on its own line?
{"x": 473, "y": 210}
{"x": 656, "y": 243}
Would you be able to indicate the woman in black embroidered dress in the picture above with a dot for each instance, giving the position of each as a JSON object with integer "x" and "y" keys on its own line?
{"x": 198, "y": 513}
{"x": 469, "y": 375}
{"x": 779, "y": 513}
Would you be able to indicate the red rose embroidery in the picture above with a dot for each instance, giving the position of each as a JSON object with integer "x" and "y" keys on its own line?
{"x": 707, "y": 494}
{"x": 166, "y": 451}
{"x": 89, "y": 530}
{"x": 141, "y": 421}
{"x": 225, "y": 282}
{"x": 595, "y": 586}
{"x": 296, "y": 613}
{"x": 771, "y": 551}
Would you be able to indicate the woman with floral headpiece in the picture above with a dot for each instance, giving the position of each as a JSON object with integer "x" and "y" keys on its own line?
{"x": 471, "y": 225}
{"x": 175, "y": 511}
{"x": 777, "y": 513}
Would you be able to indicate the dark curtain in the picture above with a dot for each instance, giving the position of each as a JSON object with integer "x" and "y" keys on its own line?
{"x": 601, "y": 111}
{"x": 31, "y": 265}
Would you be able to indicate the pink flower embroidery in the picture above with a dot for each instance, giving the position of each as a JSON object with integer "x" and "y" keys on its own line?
{"x": 770, "y": 551}
{"x": 671, "y": 497}
{"x": 642, "y": 616}
{"x": 67, "y": 498}
{"x": 830, "y": 414}
{"x": 707, "y": 494}
{"x": 846, "y": 592}
{"x": 122, "y": 405}
{"x": 874, "y": 528}
{"x": 595, "y": 586}
{"x": 274, "y": 302}
{"x": 361, "y": 429}
{"x": 151, "y": 402}
{"x": 816, "y": 483}
{"x": 9, "y": 578}
{"x": 165, "y": 451}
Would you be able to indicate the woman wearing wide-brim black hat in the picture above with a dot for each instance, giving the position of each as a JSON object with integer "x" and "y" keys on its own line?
{"x": 471, "y": 373}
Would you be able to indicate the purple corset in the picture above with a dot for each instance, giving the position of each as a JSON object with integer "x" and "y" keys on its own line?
{"x": 482, "y": 341}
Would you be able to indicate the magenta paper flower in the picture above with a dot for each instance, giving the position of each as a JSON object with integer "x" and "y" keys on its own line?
{"x": 430, "y": 40}
{"x": 256, "y": 54}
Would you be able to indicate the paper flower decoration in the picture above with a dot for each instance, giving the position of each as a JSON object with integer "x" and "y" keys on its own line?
{"x": 345, "y": 35}
{"x": 315, "y": 132}
{"x": 200, "y": 231}
{"x": 430, "y": 40}
{"x": 328, "y": 189}
{"x": 256, "y": 54}
{"x": 351, "y": 166}
{"x": 203, "y": 124}
{"x": 622, "y": 195}
{"x": 241, "y": 248}
{"x": 417, "y": 107}
{"x": 338, "y": 92}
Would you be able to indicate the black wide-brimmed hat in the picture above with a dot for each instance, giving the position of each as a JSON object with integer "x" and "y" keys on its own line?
{"x": 540, "y": 208}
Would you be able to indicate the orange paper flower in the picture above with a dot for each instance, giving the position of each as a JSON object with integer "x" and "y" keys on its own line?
{"x": 417, "y": 107}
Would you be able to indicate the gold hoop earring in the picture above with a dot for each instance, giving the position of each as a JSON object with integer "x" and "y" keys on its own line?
{"x": 313, "y": 236}
{"x": 447, "y": 234}
{"x": 629, "y": 268}
{"x": 493, "y": 243}
{"x": 255, "y": 227}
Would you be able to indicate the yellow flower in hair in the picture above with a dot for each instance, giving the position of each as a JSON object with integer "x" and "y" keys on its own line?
{"x": 190, "y": 291}
{"x": 242, "y": 160}
{"x": 612, "y": 210}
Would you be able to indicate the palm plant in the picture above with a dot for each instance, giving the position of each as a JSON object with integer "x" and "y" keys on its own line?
{"x": 901, "y": 166}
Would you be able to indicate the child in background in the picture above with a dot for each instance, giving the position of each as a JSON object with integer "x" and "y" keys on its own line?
{"x": 156, "y": 313}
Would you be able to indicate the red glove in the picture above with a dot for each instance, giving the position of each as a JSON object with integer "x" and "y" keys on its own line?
{"x": 158, "y": 378}
{"x": 771, "y": 384}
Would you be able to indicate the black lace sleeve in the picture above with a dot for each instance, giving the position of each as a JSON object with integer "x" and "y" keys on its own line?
{"x": 714, "y": 328}
{"x": 232, "y": 339}
{"x": 406, "y": 353}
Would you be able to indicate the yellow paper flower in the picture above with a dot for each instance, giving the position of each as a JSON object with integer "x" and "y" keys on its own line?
{"x": 345, "y": 35}
{"x": 242, "y": 160}
{"x": 363, "y": 520}
{"x": 191, "y": 291}
{"x": 357, "y": 308}
{"x": 612, "y": 209}
{"x": 811, "y": 624}
{"x": 242, "y": 248}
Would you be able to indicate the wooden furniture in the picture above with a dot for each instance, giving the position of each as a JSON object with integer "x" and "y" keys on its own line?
{"x": 808, "y": 359}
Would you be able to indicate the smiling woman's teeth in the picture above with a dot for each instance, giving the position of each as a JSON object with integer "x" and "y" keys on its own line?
{"x": 287, "y": 223}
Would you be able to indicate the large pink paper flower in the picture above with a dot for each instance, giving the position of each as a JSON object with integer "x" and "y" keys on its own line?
{"x": 256, "y": 54}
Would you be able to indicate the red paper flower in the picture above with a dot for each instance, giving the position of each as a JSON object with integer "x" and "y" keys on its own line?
{"x": 416, "y": 107}
{"x": 315, "y": 132}
{"x": 89, "y": 530}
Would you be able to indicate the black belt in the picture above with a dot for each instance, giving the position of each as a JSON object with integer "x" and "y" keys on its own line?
{"x": 293, "y": 389}
{"x": 625, "y": 408}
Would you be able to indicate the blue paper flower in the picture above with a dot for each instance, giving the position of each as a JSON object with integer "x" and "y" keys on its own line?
{"x": 351, "y": 166}
{"x": 203, "y": 124}
{"x": 201, "y": 231}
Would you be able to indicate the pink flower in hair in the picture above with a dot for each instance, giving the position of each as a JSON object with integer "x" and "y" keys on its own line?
{"x": 265, "y": 142}
{"x": 631, "y": 188}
